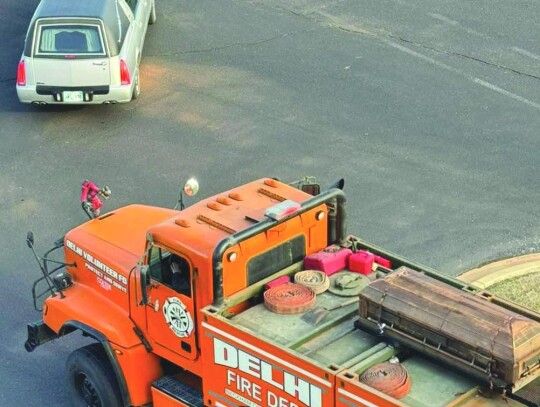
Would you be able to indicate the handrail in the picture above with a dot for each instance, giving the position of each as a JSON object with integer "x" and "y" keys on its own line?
{"x": 52, "y": 290}
{"x": 52, "y": 287}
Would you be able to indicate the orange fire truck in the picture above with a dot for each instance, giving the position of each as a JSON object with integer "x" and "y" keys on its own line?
{"x": 212, "y": 341}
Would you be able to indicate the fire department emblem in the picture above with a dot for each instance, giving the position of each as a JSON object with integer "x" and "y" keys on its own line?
{"x": 178, "y": 318}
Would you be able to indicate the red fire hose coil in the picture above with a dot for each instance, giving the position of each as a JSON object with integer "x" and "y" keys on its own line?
{"x": 389, "y": 378}
{"x": 289, "y": 298}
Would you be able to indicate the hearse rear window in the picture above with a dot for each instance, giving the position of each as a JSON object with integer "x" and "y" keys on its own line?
{"x": 70, "y": 39}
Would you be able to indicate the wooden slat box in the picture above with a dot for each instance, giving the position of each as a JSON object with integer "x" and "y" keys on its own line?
{"x": 480, "y": 338}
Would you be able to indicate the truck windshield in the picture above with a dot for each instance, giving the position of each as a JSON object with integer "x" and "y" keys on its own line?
{"x": 60, "y": 39}
{"x": 276, "y": 259}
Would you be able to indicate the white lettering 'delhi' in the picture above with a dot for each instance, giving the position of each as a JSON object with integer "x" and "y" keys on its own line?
{"x": 229, "y": 356}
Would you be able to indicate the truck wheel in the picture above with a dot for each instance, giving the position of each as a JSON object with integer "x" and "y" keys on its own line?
{"x": 153, "y": 15}
{"x": 91, "y": 380}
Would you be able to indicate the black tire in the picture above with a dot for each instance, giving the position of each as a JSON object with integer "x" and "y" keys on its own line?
{"x": 91, "y": 379}
{"x": 136, "y": 87}
{"x": 153, "y": 15}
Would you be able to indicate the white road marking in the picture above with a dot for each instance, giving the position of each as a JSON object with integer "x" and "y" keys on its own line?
{"x": 526, "y": 53}
{"x": 419, "y": 55}
{"x": 473, "y": 79}
{"x": 432, "y": 61}
{"x": 443, "y": 19}
{"x": 455, "y": 23}
{"x": 402, "y": 3}
{"x": 507, "y": 93}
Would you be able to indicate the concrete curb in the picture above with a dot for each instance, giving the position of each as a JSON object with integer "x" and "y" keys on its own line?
{"x": 497, "y": 271}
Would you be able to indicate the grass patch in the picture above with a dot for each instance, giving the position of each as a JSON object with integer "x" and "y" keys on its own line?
{"x": 524, "y": 290}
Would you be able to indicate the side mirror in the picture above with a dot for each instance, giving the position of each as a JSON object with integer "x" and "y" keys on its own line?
{"x": 59, "y": 243}
{"x": 30, "y": 239}
{"x": 192, "y": 187}
{"x": 143, "y": 274}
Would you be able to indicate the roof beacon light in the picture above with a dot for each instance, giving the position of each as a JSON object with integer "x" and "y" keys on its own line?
{"x": 282, "y": 210}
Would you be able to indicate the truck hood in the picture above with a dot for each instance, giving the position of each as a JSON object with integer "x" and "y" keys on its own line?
{"x": 106, "y": 249}
{"x": 124, "y": 229}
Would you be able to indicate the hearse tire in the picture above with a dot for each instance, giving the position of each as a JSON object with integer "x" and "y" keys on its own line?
{"x": 92, "y": 382}
{"x": 153, "y": 15}
{"x": 136, "y": 88}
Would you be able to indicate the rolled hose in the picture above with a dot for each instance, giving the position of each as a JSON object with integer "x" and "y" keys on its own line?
{"x": 289, "y": 298}
{"x": 389, "y": 378}
{"x": 317, "y": 280}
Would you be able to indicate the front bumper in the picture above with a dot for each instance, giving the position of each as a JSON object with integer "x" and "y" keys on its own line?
{"x": 38, "y": 334}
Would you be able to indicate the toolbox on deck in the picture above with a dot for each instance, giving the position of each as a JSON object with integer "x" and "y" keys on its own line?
{"x": 469, "y": 332}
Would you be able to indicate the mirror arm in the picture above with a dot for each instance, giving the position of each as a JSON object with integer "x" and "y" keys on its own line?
{"x": 143, "y": 274}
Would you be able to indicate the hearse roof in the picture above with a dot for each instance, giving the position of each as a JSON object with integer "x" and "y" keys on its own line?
{"x": 103, "y": 9}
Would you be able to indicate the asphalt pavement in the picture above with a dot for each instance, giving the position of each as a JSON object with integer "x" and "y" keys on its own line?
{"x": 430, "y": 110}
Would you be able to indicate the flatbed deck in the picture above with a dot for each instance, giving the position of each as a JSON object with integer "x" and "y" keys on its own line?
{"x": 335, "y": 342}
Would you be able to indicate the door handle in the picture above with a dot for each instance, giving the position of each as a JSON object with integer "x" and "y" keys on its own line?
{"x": 155, "y": 305}
{"x": 102, "y": 63}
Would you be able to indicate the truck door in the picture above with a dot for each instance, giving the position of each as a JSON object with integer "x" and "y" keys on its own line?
{"x": 170, "y": 315}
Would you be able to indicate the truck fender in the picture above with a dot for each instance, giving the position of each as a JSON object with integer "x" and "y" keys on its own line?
{"x": 71, "y": 326}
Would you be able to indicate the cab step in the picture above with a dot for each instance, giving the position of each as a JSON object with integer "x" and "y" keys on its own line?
{"x": 169, "y": 387}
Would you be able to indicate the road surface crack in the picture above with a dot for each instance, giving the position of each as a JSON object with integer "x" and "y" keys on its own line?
{"x": 451, "y": 53}
{"x": 236, "y": 44}
{"x": 355, "y": 30}
{"x": 308, "y": 11}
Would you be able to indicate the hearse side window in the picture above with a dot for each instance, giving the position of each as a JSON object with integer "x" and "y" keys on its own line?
{"x": 70, "y": 39}
{"x": 276, "y": 259}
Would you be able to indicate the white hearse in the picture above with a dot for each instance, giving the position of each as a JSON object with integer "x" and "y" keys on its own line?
{"x": 84, "y": 51}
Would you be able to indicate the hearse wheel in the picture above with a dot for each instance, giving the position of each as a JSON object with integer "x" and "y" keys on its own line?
{"x": 136, "y": 87}
{"x": 153, "y": 16}
{"x": 91, "y": 379}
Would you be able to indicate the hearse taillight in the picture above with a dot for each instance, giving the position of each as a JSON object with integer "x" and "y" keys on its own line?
{"x": 21, "y": 74}
{"x": 125, "y": 79}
